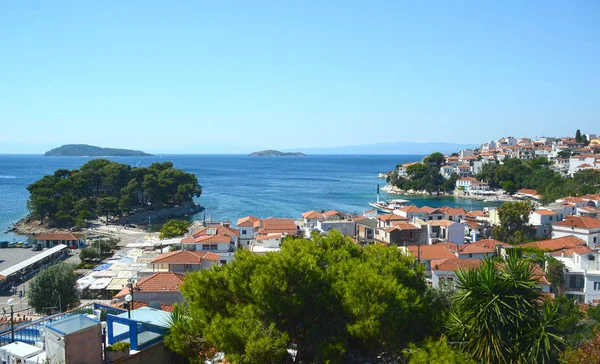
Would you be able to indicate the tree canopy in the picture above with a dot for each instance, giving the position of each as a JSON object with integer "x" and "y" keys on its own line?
{"x": 53, "y": 289}
{"x": 515, "y": 174}
{"x": 174, "y": 228}
{"x": 514, "y": 225}
{"x": 325, "y": 299}
{"x": 425, "y": 176}
{"x": 71, "y": 197}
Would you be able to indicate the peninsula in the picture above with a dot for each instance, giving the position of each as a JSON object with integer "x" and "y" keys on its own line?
{"x": 85, "y": 150}
{"x": 111, "y": 191}
{"x": 276, "y": 153}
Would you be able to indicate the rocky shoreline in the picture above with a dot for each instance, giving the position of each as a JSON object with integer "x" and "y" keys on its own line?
{"x": 398, "y": 191}
{"x": 29, "y": 226}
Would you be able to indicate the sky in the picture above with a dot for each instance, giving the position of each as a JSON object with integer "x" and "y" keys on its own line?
{"x": 225, "y": 76}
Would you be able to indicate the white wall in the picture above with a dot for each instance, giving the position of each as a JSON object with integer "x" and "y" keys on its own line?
{"x": 456, "y": 233}
{"x": 347, "y": 228}
{"x": 592, "y": 239}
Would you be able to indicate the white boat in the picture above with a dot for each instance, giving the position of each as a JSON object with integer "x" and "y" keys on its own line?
{"x": 383, "y": 205}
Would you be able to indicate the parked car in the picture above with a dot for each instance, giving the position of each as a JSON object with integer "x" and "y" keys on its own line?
{"x": 19, "y": 244}
{"x": 12, "y": 244}
{"x": 27, "y": 245}
{"x": 4, "y": 244}
{"x": 37, "y": 247}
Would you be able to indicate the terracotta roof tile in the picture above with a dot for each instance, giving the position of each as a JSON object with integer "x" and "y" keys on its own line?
{"x": 454, "y": 264}
{"x": 312, "y": 215}
{"x": 205, "y": 239}
{"x": 185, "y": 257}
{"x": 247, "y": 221}
{"x": 57, "y": 236}
{"x": 545, "y": 212}
{"x": 491, "y": 243}
{"x": 211, "y": 230}
{"x": 333, "y": 213}
{"x": 267, "y": 237}
{"x": 580, "y": 222}
{"x": 158, "y": 282}
{"x": 392, "y": 217}
{"x": 526, "y": 191}
{"x": 569, "y": 241}
{"x": 431, "y": 252}
{"x": 440, "y": 223}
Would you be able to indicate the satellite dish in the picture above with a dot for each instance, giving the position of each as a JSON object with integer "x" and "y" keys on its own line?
{"x": 533, "y": 255}
{"x": 155, "y": 305}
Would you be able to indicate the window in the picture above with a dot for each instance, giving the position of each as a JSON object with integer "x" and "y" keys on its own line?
{"x": 596, "y": 286}
{"x": 595, "y": 239}
{"x": 223, "y": 262}
{"x": 550, "y": 218}
{"x": 470, "y": 255}
{"x": 244, "y": 232}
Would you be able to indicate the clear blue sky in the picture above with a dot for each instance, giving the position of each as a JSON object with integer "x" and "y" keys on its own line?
{"x": 214, "y": 76}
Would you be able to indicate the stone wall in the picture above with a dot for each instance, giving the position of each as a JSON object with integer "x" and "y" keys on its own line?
{"x": 157, "y": 353}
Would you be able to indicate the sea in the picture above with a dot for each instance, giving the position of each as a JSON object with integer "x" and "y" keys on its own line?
{"x": 238, "y": 185}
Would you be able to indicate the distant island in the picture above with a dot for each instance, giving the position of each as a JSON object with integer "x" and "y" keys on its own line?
{"x": 276, "y": 153}
{"x": 84, "y": 150}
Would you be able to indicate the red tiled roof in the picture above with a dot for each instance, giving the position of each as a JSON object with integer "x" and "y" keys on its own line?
{"x": 312, "y": 215}
{"x": 441, "y": 223}
{"x": 248, "y": 221}
{"x": 431, "y": 252}
{"x": 478, "y": 213}
{"x": 185, "y": 257}
{"x": 473, "y": 224}
{"x": 158, "y": 282}
{"x": 413, "y": 208}
{"x": 216, "y": 239}
{"x": 569, "y": 241}
{"x": 212, "y": 230}
{"x": 463, "y": 166}
{"x": 267, "y": 237}
{"x": 490, "y": 243}
{"x": 568, "y": 252}
{"x": 453, "y": 210}
{"x": 402, "y": 226}
{"x": 470, "y": 179}
{"x": 57, "y": 236}
{"x": 282, "y": 226}
{"x": 333, "y": 212}
{"x": 454, "y": 264}
{"x": 526, "y": 191}
{"x": 581, "y": 222}
{"x": 392, "y": 217}
{"x": 545, "y": 212}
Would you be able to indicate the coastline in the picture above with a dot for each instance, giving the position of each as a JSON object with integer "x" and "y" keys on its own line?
{"x": 28, "y": 226}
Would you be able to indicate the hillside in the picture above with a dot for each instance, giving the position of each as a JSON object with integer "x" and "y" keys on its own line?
{"x": 276, "y": 153}
{"x": 84, "y": 150}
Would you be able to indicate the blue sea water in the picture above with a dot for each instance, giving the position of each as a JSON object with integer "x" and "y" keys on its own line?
{"x": 237, "y": 185}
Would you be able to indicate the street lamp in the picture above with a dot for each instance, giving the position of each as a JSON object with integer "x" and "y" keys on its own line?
{"x": 11, "y": 302}
{"x": 129, "y": 299}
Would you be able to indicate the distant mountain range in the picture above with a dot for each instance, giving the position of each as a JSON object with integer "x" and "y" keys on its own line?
{"x": 85, "y": 150}
{"x": 390, "y": 148}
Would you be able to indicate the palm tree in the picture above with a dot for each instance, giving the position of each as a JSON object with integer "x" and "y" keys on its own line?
{"x": 501, "y": 315}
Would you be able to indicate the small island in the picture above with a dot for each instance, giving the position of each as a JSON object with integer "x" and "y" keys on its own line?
{"x": 85, "y": 150}
{"x": 276, "y": 153}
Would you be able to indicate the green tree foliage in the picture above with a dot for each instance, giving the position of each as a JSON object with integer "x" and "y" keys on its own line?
{"x": 423, "y": 176}
{"x": 514, "y": 225}
{"x": 535, "y": 174}
{"x": 326, "y": 298}
{"x": 578, "y": 137}
{"x": 50, "y": 284}
{"x": 501, "y": 315}
{"x": 435, "y": 351}
{"x": 174, "y": 228}
{"x": 435, "y": 160}
{"x": 555, "y": 274}
{"x": 71, "y": 197}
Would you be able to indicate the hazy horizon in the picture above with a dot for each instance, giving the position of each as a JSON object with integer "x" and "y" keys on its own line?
{"x": 230, "y": 76}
